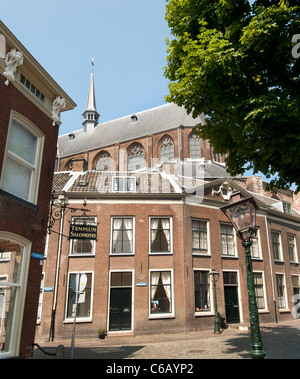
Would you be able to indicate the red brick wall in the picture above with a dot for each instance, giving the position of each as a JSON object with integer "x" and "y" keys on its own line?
{"x": 21, "y": 218}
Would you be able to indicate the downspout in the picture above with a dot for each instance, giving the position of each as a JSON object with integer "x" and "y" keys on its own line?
{"x": 271, "y": 267}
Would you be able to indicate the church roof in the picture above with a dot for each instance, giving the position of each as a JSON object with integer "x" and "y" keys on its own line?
{"x": 152, "y": 121}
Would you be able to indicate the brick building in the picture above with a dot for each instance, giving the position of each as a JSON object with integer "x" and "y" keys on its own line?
{"x": 30, "y": 103}
{"x": 153, "y": 190}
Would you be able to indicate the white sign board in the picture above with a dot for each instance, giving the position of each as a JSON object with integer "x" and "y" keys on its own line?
{"x": 78, "y": 282}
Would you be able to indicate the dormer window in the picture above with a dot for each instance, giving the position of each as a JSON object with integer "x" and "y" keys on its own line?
{"x": 287, "y": 208}
{"x": 124, "y": 184}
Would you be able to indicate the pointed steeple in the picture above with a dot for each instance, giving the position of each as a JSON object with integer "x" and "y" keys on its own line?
{"x": 90, "y": 114}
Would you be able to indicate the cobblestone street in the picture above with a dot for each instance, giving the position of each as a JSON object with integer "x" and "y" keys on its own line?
{"x": 281, "y": 341}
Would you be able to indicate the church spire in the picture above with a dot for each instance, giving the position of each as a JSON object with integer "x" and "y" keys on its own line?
{"x": 90, "y": 114}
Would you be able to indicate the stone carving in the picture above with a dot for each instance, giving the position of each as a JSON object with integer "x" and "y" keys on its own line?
{"x": 58, "y": 104}
{"x": 225, "y": 191}
{"x": 13, "y": 60}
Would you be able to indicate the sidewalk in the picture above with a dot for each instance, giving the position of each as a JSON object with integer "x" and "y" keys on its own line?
{"x": 281, "y": 341}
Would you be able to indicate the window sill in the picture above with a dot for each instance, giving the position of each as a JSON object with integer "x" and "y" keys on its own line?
{"x": 19, "y": 200}
{"x": 203, "y": 314}
{"x": 161, "y": 253}
{"x": 78, "y": 320}
{"x": 160, "y": 315}
{"x": 81, "y": 255}
{"x": 279, "y": 261}
{"x": 284, "y": 310}
{"x": 201, "y": 254}
{"x": 230, "y": 256}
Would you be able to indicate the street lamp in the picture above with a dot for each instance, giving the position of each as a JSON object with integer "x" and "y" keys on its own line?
{"x": 214, "y": 278}
{"x": 242, "y": 215}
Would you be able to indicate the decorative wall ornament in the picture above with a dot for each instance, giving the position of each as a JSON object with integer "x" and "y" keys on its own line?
{"x": 225, "y": 190}
{"x": 58, "y": 104}
{"x": 13, "y": 59}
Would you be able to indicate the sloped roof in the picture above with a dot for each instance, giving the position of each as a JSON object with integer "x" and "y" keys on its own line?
{"x": 151, "y": 182}
{"x": 151, "y": 121}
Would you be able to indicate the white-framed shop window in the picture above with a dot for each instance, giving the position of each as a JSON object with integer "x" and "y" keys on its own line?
{"x": 23, "y": 159}
{"x": 13, "y": 284}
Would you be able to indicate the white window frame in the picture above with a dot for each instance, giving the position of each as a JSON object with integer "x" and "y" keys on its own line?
{"x": 36, "y": 168}
{"x": 211, "y": 294}
{"x": 234, "y": 240}
{"x": 79, "y": 319}
{"x": 280, "y": 246}
{"x": 17, "y": 321}
{"x": 265, "y": 309}
{"x": 285, "y": 292}
{"x": 295, "y": 247}
{"x": 111, "y": 236}
{"x": 125, "y": 178}
{"x": 259, "y": 245}
{"x": 208, "y": 237}
{"x": 171, "y": 236}
{"x": 92, "y": 254}
{"x": 162, "y": 315}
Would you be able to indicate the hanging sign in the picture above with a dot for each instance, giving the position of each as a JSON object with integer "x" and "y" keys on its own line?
{"x": 83, "y": 232}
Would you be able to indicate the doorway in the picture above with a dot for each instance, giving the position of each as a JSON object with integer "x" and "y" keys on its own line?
{"x": 231, "y": 297}
{"x": 120, "y": 308}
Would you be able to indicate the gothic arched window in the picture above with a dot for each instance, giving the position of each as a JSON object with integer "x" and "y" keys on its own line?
{"x": 167, "y": 150}
{"x": 103, "y": 162}
{"x": 195, "y": 146}
{"x": 135, "y": 158}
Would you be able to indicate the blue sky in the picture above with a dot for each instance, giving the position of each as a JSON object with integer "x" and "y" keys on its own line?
{"x": 125, "y": 37}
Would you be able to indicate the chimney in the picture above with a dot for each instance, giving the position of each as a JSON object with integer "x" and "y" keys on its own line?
{"x": 255, "y": 184}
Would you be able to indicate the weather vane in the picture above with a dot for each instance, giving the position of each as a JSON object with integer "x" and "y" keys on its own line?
{"x": 93, "y": 64}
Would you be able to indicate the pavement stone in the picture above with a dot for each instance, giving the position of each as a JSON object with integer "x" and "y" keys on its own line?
{"x": 280, "y": 341}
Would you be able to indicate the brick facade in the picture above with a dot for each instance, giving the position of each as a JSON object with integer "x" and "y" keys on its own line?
{"x": 23, "y": 220}
{"x": 182, "y": 263}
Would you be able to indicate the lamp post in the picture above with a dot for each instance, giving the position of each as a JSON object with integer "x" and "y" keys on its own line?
{"x": 214, "y": 278}
{"x": 242, "y": 215}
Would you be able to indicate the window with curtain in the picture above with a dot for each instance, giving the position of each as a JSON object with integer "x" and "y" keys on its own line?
{"x": 281, "y": 291}
{"x": 83, "y": 309}
{"x": 83, "y": 246}
{"x": 135, "y": 158}
{"x": 227, "y": 240}
{"x": 13, "y": 280}
{"x": 160, "y": 292}
{"x": 275, "y": 236}
{"x": 167, "y": 150}
{"x": 255, "y": 250}
{"x": 22, "y": 162}
{"x": 292, "y": 248}
{"x": 202, "y": 291}
{"x": 195, "y": 146}
{"x": 259, "y": 290}
{"x": 160, "y": 233}
{"x": 103, "y": 162}
{"x": 199, "y": 237}
{"x": 122, "y": 236}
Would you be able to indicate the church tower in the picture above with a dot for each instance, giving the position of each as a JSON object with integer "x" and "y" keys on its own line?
{"x": 90, "y": 115}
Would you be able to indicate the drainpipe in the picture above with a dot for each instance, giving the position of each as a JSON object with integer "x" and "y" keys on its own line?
{"x": 62, "y": 211}
{"x": 271, "y": 267}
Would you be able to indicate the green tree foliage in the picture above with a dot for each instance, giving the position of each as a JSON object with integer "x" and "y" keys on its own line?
{"x": 232, "y": 61}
